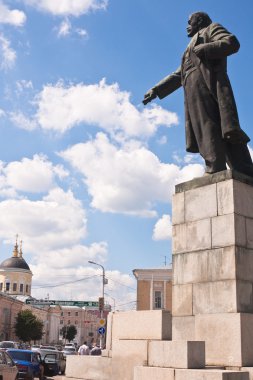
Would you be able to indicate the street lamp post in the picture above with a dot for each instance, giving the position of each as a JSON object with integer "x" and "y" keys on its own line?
{"x": 103, "y": 295}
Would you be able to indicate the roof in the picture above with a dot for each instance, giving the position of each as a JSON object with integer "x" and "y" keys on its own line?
{"x": 15, "y": 263}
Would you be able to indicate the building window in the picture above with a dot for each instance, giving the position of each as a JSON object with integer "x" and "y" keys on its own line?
{"x": 7, "y": 285}
{"x": 14, "y": 287}
{"x": 27, "y": 288}
{"x": 69, "y": 313}
{"x": 61, "y": 322}
{"x": 158, "y": 300}
{"x": 76, "y": 313}
{"x": 76, "y": 322}
{"x": 61, "y": 314}
{"x": 21, "y": 288}
{"x": 1, "y": 287}
{"x": 68, "y": 322}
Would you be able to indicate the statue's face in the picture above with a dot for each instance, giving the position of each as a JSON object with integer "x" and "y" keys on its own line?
{"x": 193, "y": 25}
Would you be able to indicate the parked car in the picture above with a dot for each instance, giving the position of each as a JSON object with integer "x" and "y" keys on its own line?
{"x": 48, "y": 347}
{"x": 71, "y": 344}
{"x": 35, "y": 347}
{"x": 69, "y": 351}
{"x": 28, "y": 363}
{"x": 8, "y": 344}
{"x": 53, "y": 359}
{"x": 8, "y": 369}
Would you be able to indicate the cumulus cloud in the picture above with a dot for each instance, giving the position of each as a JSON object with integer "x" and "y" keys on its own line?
{"x": 163, "y": 228}
{"x": 67, "y": 7}
{"x": 82, "y": 32}
{"x": 7, "y": 54}
{"x": 23, "y": 122}
{"x": 66, "y": 29}
{"x": 128, "y": 180}
{"x": 23, "y": 85}
{"x": 34, "y": 175}
{"x": 83, "y": 282}
{"x": 251, "y": 152}
{"x": 57, "y": 221}
{"x": 105, "y": 106}
{"x": 13, "y": 17}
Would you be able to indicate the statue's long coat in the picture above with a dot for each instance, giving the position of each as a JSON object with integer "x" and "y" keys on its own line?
{"x": 218, "y": 43}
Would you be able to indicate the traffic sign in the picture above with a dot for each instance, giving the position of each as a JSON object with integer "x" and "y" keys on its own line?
{"x": 101, "y": 330}
{"x": 102, "y": 322}
{"x": 62, "y": 303}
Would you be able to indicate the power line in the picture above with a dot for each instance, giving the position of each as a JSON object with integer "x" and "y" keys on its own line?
{"x": 121, "y": 283}
{"x": 64, "y": 283}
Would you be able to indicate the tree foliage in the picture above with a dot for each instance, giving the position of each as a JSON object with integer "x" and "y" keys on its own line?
{"x": 28, "y": 327}
{"x": 69, "y": 332}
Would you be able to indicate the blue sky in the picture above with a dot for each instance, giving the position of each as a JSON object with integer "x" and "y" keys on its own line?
{"x": 88, "y": 172}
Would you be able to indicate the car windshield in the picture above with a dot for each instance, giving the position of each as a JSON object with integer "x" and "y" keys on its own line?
{"x": 43, "y": 353}
{"x": 69, "y": 349}
{"x": 20, "y": 355}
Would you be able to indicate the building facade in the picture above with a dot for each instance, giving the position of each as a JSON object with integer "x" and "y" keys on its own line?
{"x": 154, "y": 289}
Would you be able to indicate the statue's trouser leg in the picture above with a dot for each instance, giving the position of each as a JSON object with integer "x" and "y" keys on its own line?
{"x": 238, "y": 158}
{"x": 205, "y": 120}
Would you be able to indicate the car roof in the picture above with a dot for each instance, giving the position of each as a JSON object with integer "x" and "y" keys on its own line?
{"x": 18, "y": 350}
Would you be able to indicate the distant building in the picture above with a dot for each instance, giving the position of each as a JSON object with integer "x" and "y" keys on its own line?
{"x": 154, "y": 288}
{"x": 15, "y": 274}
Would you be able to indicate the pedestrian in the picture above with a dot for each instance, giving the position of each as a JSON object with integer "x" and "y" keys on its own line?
{"x": 84, "y": 349}
{"x": 96, "y": 350}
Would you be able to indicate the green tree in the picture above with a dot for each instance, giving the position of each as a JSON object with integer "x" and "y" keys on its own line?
{"x": 69, "y": 332}
{"x": 28, "y": 327}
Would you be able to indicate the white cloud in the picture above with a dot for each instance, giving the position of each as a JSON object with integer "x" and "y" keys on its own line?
{"x": 7, "y": 54}
{"x": 82, "y": 32}
{"x": 64, "y": 28}
{"x": 13, "y": 17}
{"x": 23, "y": 122}
{"x": 84, "y": 281}
{"x": 57, "y": 221}
{"x": 52, "y": 230}
{"x": 251, "y": 152}
{"x": 68, "y": 7}
{"x": 34, "y": 175}
{"x": 61, "y": 108}
{"x": 129, "y": 180}
{"x": 163, "y": 228}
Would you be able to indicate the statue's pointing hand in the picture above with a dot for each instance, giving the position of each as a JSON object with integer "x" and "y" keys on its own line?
{"x": 150, "y": 95}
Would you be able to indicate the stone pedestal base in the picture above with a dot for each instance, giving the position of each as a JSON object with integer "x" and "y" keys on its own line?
{"x": 213, "y": 266}
{"x": 150, "y": 373}
{"x": 228, "y": 336}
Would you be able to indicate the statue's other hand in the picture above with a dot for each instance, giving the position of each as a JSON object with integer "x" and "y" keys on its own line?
{"x": 150, "y": 95}
{"x": 199, "y": 50}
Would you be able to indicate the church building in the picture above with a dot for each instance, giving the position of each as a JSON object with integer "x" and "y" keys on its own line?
{"x": 15, "y": 274}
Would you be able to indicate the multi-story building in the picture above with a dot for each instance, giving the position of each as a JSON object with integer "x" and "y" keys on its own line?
{"x": 9, "y": 309}
{"x": 154, "y": 288}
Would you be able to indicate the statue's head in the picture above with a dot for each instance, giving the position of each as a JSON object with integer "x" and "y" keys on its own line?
{"x": 196, "y": 22}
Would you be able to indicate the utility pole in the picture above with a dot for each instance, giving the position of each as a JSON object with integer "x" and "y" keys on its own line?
{"x": 103, "y": 297}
